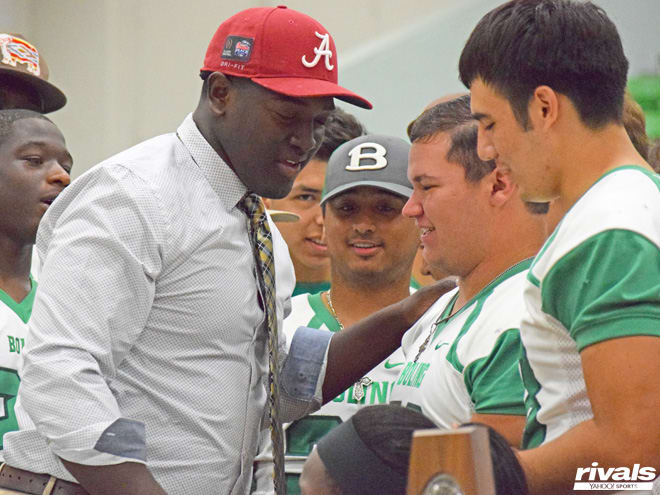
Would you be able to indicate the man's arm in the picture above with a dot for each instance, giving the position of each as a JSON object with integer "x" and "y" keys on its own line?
{"x": 621, "y": 376}
{"x": 510, "y": 426}
{"x": 356, "y": 350}
{"x": 127, "y": 478}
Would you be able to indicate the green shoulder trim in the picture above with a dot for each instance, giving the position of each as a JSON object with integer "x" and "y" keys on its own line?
{"x": 321, "y": 314}
{"x": 414, "y": 283}
{"x": 24, "y": 308}
{"x": 494, "y": 381}
{"x": 310, "y": 288}
{"x": 605, "y": 288}
{"x": 480, "y": 299}
{"x": 650, "y": 174}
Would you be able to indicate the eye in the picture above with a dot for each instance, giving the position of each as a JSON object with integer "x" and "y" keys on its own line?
{"x": 35, "y": 160}
{"x": 489, "y": 126}
{"x": 306, "y": 197}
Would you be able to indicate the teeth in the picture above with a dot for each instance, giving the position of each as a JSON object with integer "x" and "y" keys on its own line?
{"x": 292, "y": 162}
{"x": 361, "y": 245}
{"x": 426, "y": 230}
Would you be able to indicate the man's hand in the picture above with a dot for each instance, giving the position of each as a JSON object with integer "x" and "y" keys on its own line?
{"x": 413, "y": 307}
{"x": 128, "y": 478}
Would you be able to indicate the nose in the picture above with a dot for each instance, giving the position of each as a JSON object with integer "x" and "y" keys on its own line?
{"x": 485, "y": 148}
{"x": 58, "y": 174}
{"x": 306, "y": 137}
{"x": 363, "y": 223}
{"x": 318, "y": 215}
{"x": 413, "y": 207}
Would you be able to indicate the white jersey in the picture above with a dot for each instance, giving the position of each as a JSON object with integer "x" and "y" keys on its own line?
{"x": 466, "y": 363}
{"x": 13, "y": 330}
{"x": 596, "y": 278}
{"x": 308, "y": 310}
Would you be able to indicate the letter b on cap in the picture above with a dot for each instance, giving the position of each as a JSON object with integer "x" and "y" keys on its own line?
{"x": 372, "y": 153}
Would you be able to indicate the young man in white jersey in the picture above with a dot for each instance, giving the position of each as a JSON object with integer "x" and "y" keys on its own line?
{"x": 462, "y": 355}
{"x": 34, "y": 169}
{"x": 371, "y": 248}
{"x": 591, "y": 342}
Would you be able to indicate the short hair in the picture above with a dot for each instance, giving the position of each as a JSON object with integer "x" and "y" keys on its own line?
{"x": 455, "y": 118}
{"x": 635, "y": 124}
{"x": 387, "y": 431}
{"x": 9, "y": 116}
{"x": 654, "y": 155}
{"x": 508, "y": 473}
{"x": 571, "y": 46}
{"x": 340, "y": 127}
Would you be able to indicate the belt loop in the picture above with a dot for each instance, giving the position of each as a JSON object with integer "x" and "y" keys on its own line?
{"x": 49, "y": 486}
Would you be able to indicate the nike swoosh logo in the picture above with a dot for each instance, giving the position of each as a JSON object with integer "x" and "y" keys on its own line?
{"x": 440, "y": 345}
{"x": 389, "y": 365}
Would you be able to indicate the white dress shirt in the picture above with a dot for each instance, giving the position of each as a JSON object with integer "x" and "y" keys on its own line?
{"x": 147, "y": 341}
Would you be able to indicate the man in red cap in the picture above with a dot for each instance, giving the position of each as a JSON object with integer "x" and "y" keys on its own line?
{"x": 24, "y": 77}
{"x": 153, "y": 359}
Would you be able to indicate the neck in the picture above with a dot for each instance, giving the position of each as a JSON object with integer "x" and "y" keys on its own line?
{"x": 354, "y": 302}
{"x": 15, "y": 268}
{"x": 587, "y": 155}
{"x": 515, "y": 236}
{"x": 308, "y": 275}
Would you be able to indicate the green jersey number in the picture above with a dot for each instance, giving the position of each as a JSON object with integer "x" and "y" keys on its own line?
{"x": 9, "y": 382}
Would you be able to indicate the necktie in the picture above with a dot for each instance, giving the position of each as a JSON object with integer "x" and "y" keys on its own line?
{"x": 262, "y": 248}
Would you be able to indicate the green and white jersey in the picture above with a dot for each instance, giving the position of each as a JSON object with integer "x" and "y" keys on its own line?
{"x": 466, "y": 363}
{"x": 13, "y": 330}
{"x": 596, "y": 278}
{"x": 308, "y": 310}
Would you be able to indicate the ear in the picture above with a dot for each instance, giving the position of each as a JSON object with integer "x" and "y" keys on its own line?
{"x": 502, "y": 188}
{"x": 544, "y": 107}
{"x": 219, "y": 90}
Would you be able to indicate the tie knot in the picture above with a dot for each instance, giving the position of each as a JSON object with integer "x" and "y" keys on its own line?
{"x": 251, "y": 205}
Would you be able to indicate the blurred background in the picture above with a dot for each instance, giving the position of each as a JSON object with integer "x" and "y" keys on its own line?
{"x": 130, "y": 67}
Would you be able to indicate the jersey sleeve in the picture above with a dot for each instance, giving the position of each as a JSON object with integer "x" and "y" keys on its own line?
{"x": 606, "y": 287}
{"x": 494, "y": 381}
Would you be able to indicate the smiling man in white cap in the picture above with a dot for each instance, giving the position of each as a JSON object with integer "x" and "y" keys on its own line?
{"x": 153, "y": 359}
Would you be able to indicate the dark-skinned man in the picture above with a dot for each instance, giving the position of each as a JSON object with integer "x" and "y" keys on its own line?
{"x": 155, "y": 327}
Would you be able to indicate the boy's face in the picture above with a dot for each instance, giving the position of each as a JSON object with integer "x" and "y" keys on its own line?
{"x": 34, "y": 169}
{"x": 518, "y": 151}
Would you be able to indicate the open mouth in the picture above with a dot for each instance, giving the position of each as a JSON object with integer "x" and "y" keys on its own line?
{"x": 365, "y": 248}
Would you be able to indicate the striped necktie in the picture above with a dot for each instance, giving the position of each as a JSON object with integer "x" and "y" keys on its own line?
{"x": 262, "y": 247}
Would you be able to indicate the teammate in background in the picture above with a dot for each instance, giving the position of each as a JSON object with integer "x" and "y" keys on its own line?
{"x": 591, "y": 342}
{"x": 24, "y": 77}
{"x": 461, "y": 357}
{"x": 371, "y": 248}
{"x": 34, "y": 169}
{"x": 305, "y": 237}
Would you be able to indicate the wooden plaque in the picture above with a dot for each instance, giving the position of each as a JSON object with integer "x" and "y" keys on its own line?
{"x": 462, "y": 455}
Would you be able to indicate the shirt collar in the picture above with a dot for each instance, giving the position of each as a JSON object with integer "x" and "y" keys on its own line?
{"x": 220, "y": 176}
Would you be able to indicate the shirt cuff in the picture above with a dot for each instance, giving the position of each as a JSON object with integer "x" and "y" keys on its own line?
{"x": 123, "y": 440}
{"x": 303, "y": 372}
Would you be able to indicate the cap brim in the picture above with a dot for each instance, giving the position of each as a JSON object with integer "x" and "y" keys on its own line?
{"x": 388, "y": 186}
{"x": 51, "y": 98}
{"x": 301, "y": 87}
{"x": 283, "y": 216}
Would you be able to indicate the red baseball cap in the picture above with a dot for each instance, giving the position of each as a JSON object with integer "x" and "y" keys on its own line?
{"x": 280, "y": 49}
